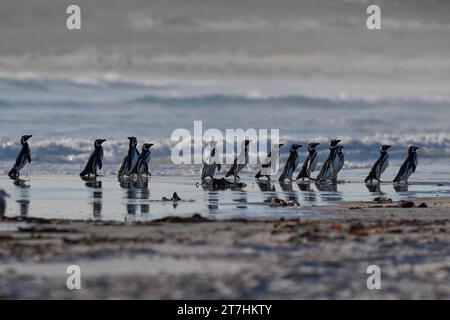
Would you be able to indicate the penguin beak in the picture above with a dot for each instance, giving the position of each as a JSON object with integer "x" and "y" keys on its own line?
{"x": 102, "y": 140}
{"x": 280, "y": 145}
{"x": 28, "y": 137}
{"x": 151, "y": 144}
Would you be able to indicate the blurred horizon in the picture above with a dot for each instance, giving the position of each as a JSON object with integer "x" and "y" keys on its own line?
{"x": 322, "y": 46}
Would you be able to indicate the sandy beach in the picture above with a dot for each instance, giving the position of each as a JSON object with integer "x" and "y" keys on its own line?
{"x": 312, "y": 257}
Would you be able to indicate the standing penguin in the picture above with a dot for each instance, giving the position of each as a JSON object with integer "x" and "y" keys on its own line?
{"x": 379, "y": 166}
{"x": 141, "y": 168}
{"x": 291, "y": 163}
{"x": 131, "y": 158}
{"x": 310, "y": 163}
{"x": 95, "y": 161}
{"x": 240, "y": 161}
{"x": 209, "y": 163}
{"x": 3, "y": 195}
{"x": 270, "y": 164}
{"x": 22, "y": 158}
{"x": 340, "y": 163}
{"x": 326, "y": 172}
{"x": 408, "y": 167}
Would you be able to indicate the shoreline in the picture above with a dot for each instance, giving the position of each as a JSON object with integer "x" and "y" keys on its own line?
{"x": 311, "y": 257}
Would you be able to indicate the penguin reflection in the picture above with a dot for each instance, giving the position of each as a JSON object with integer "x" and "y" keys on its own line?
{"x": 329, "y": 191}
{"x": 136, "y": 188}
{"x": 129, "y": 185}
{"x": 400, "y": 188}
{"x": 267, "y": 188}
{"x": 144, "y": 194}
{"x": 288, "y": 190}
{"x": 309, "y": 193}
{"x": 97, "y": 194}
{"x": 241, "y": 198}
{"x": 24, "y": 198}
{"x": 374, "y": 188}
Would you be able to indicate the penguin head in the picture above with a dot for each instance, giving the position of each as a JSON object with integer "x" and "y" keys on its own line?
{"x": 98, "y": 142}
{"x": 277, "y": 146}
{"x": 334, "y": 143}
{"x": 133, "y": 141}
{"x": 312, "y": 146}
{"x": 213, "y": 143}
{"x": 413, "y": 149}
{"x": 25, "y": 138}
{"x": 146, "y": 146}
{"x": 385, "y": 148}
{"x": 295, "y": 147}
{"x": 247, "y": 142}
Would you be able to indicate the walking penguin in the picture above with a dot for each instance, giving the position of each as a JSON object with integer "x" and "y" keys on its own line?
{"x": 408, "y": 167}
{"x": 379, "y": 166}
{"x": 309, "y": 166}
{"x": 95, "y": 161}
{"x": 130, "y": 160}
{"x": 23, "y": 157}
{"x": 291, "y": 163}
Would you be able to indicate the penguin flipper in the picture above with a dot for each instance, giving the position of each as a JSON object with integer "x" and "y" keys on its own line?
{"x": 219, "y": 167}
{"x": 28, "y": 158}
{"x": 100, "y": 163}
{"x": 122, "y": 167}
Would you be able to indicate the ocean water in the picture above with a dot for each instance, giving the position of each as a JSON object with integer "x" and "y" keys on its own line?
{"x": 65, "y": 116}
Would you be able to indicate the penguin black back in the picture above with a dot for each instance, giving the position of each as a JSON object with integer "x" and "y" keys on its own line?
{"x": 95, "y": 161}
{"x": 310, "y": 163}
{"x": 380, "y": 165}
{"x": 23, "y": 157}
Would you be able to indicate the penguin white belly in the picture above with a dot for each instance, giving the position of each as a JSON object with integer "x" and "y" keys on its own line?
{"x": 383, "y": 168}
{"x": 312, "y": 165}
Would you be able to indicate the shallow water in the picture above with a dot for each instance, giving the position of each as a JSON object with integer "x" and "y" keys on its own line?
{"x": 105, "y": 198}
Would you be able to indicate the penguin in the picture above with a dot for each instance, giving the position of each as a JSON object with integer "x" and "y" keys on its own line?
{"x": 326, "y": 172}
{"x": 141, "y": 168}
{"x": 95, "y": 160}
{"x": 379, "y": 166}
{"x": 3, "y": 195}
{"x": 22, "y": 158}
{"x": 340, "y": 163}
{"x": 130, "y": 160}
{"x": 309, "y": 166}
{"x": 291, "y": 163}
{"x": 270, "y": 164}
{"x": 240, "y": 161}
{"x": 408, "y": 167}
{"x": 209, "y": 164}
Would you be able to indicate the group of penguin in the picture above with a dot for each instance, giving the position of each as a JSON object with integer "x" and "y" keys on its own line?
{"x": 136, "y": 163}
{"x": 328, "y": 172}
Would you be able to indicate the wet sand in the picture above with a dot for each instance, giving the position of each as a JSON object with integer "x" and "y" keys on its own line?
{"x": 313, "y": 257}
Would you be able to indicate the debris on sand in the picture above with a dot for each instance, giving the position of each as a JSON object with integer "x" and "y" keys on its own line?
{"x": 405, "y": 204}
{"x": 173, "y": 219}
{"x": 382, "y": 200}
{"x": 223, "y": 184}
{"x": 423, "y": 205}
{"x": 359, "y": 229}
{"x": 277, "y": 202}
